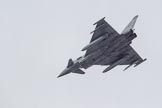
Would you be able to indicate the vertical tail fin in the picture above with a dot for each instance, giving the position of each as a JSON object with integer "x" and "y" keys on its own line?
{"x": 130, "y": 25}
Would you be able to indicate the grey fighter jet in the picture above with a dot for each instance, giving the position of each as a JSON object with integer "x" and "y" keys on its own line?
{"x": 107, "y": 47}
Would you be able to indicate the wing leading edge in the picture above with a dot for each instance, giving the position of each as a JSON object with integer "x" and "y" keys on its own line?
{"x": 102, "y": 28}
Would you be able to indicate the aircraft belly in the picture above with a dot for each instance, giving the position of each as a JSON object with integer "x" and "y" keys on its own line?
{"x": 108, "y": 58}
{"x": 88, "y": 62}
{"x": 91, "y": 59}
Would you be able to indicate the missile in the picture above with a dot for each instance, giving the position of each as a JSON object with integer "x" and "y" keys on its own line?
{"x": 130, "y": 65}
{"x": 120, "y": 61}
{"x": 98, "y": 28}
{"x": 93, "y": 43}
{"x": 140, "y": 62}
{"x": 99, "y": 21}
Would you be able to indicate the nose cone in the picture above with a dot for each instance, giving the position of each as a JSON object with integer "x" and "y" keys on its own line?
{"x": 64, "y": 72}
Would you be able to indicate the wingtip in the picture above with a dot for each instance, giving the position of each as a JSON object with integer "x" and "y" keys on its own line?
{"x": 99, "y": 20}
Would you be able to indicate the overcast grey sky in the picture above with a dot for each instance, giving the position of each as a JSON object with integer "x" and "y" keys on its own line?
{"x": 37, "y": 37}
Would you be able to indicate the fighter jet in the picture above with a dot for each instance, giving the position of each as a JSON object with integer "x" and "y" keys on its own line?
{"x": 107, "y": 47}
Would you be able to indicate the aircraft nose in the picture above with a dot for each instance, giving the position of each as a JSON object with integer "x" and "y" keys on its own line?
{"x": 64, "y": 72}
